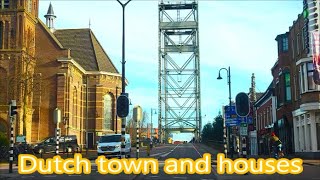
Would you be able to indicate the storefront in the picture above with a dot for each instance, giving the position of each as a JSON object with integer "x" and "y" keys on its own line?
{"x": 306, "y": 126}
{"x": 264, "y": 141}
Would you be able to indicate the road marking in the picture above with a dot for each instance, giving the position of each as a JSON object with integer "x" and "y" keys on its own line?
{"x": 23, "y": 177}
{"x": 157, "y": 154}
{"x": 74, "y": 175}
{"x": 180, "y": 177}
{"x": 153, "y": 176}
{"x": 50, "y": 176}
{"x": 164, "y": 155}
{"x": 197, "y": 150}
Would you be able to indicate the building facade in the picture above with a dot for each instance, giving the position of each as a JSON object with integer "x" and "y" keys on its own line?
{"x": 44, "y": 68}
{"x": 281, "y": 73}
{"x": 306, "y": 94}
{"x": 265, "y": 113}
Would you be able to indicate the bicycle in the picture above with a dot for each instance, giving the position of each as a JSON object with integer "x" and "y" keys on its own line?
{"x": 278, "y": 152}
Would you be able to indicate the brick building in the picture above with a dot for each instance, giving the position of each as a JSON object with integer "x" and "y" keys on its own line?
{"x": 265, "y": 113}
{"x": 282, "y": 83}
{"x": 306, "y": 94}
{"x": 44, "y": 68}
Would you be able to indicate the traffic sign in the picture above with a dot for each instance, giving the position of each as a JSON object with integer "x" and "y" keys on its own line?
{"x": 232, "y": 119}
{"x": 21, "y": 139}
{"x": 243, "y": 129}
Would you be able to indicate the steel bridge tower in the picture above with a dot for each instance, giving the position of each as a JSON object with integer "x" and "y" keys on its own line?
{"x": 179, "y": 68}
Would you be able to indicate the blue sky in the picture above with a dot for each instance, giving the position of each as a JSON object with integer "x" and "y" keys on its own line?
{"x": 239, "y": 34}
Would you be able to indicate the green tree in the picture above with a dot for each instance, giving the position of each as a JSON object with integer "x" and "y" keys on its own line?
{"x": 217, "y": 134}
{"x": 207, "y": 132}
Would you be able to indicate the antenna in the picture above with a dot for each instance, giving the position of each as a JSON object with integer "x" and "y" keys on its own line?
{"x": 89, "y": 23}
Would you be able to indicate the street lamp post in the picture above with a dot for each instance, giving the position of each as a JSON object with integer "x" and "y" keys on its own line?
{"x": 116, "y": 113}
{"x": 123, "y": 122}
{"x": 224, "y": 121}
{"x": 155, "y": 112}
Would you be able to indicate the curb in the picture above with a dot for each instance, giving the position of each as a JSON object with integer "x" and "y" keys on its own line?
{"x": 311, "y": 164}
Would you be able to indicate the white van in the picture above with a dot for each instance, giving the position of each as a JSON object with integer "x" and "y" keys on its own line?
{"x": 110, "y": 145}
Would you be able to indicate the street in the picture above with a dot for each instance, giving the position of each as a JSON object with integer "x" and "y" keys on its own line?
{"x": 163, "y": 152}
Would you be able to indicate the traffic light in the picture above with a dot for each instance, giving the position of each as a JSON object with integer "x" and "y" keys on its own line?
{"x": 13, "y": 108}
{"x": 122, "y": 106}
{"x": 242, "y": 104}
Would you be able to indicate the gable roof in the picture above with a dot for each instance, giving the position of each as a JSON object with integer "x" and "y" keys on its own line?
{"x": 85, "y": 49}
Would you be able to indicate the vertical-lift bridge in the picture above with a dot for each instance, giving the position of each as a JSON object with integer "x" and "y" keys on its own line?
{"x": 179, "y": 69}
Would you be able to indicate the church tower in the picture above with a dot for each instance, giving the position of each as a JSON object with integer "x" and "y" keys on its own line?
{"x": 50, "y": 18}
{"x": 18, "y": 19}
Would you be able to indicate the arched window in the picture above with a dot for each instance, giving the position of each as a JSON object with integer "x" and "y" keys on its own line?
{"x": 3, "y": 86}
{"x": 75, "y": 108}
{"x": 107, "y": 111}
{"x": 1, "y": 34}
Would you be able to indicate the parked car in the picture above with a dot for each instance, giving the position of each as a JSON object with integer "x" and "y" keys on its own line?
{"x": 66, "y": 144}
{"x": 110, "y": 145}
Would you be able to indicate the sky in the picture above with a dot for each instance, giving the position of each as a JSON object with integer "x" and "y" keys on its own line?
{"x": 240, "y": 34}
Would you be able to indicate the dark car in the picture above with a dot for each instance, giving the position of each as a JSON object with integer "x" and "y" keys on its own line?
{"x": 66, "y": 144}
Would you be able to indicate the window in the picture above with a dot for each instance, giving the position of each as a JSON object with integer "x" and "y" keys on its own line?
{"x": 302, "y": 74}
{"x": 279, "y": 101}
{"x": 75, "y": 108}
{"x": 285, "y": 44}
{"x": 107, "y": 100}
{"x": 1, "y": 34}
{"x": 302, "y": 40}
{"x": 311, "y": 84}
{"x": 292, "y": 47}
{"x": 4, "y": 4}
{"x": 298, "y": 43}
{"x": 287, "y": 86}
{"x": 295, "y": 90}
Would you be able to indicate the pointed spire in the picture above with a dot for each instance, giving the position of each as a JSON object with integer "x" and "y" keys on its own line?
{"x": 253, "y": 88}
{"x": 50, "y": 18}
{"x": 50, "y": 10}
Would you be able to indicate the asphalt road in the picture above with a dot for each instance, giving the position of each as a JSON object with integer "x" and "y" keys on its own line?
{"x": 193, "y": 151}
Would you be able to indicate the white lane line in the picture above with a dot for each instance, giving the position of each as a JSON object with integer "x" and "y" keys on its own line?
{"x": 50, "y": 176}
{"x": 180, "y": 177}
{"x": 197, "y": 150}
{"x": 157, "y": 154}
{"x": 164, "y": 155}
{"x": 74, "y": 175}
{"x": 153, "y": 176}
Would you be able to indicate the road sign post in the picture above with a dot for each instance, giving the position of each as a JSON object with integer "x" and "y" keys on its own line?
{"x": 137, "y": 117}
{"x": 57, "y": 120}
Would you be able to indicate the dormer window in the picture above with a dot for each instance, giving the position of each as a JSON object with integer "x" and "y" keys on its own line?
{"x": 4, "y": 4}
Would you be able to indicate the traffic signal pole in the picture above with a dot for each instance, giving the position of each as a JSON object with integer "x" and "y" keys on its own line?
{"x": 123, "y": 120}
{"x": 12, "y": 113}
